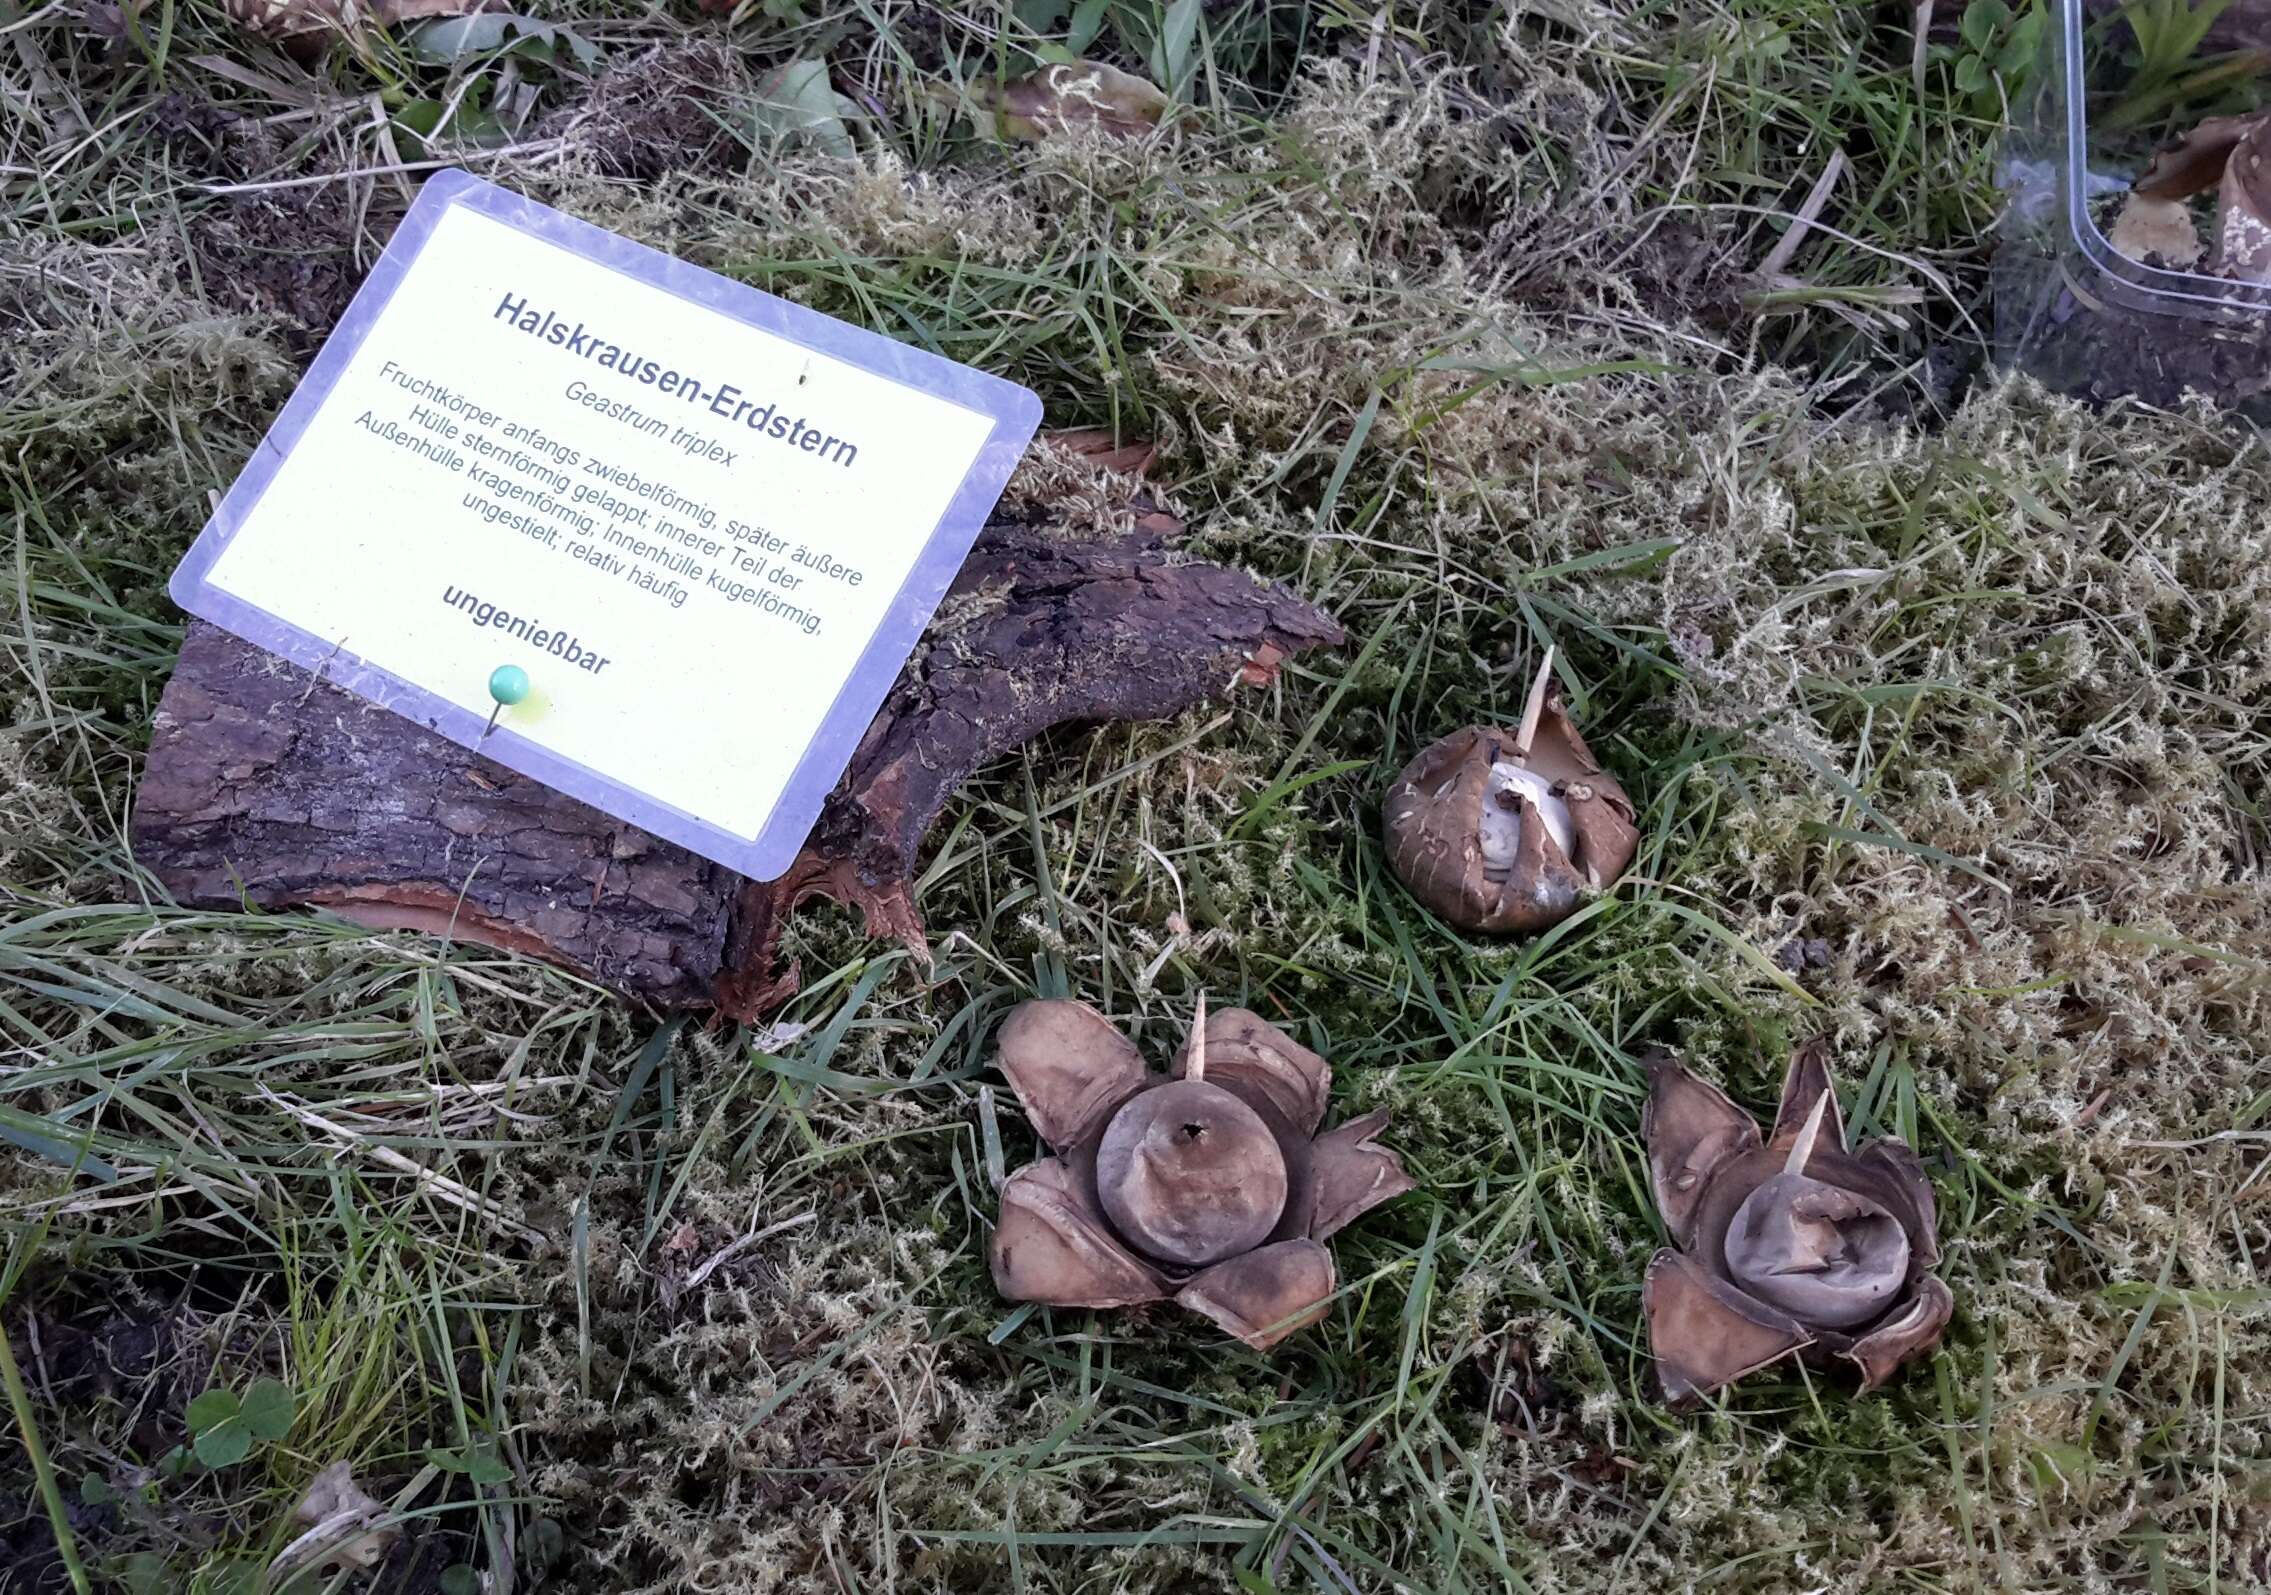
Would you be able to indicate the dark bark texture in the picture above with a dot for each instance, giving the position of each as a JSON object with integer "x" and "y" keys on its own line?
{"x": 267, "y": 786}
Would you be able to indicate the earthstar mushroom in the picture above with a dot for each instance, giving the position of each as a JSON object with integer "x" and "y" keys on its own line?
{"x": 1500, "y": 830}
{"x": 1208, "y": 1186}
{"x": 1793, "y": 1245}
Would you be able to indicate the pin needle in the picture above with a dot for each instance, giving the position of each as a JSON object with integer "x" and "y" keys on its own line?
{"x": 508, "y": 684}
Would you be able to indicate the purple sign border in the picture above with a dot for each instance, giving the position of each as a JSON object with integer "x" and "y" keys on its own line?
{"x": 1015, "y": 412}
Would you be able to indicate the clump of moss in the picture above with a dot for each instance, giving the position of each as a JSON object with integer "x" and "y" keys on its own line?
{"x": 1957, "y": 707}
{"x": 1972, "y": 711}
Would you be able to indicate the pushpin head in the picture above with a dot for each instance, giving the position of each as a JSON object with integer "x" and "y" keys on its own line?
{"x": 508, "y": 684}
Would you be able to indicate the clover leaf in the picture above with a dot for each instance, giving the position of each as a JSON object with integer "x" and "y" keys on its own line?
{"x": 226, "y": 1424}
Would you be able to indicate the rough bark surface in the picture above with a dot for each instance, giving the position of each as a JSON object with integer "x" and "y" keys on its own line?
{"x": 269, "y": 787}
{"x": 266, "y": 785}
{"x": 1038, "y": 631}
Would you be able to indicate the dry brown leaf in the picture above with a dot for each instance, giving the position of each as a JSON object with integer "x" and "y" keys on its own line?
{"x": 1101, "y": 447}
{"x": 2195, "y": 162}
{"x": 288, "y": 19}
{"x": 2152, "y": 230}
{"x": 1078, "y": 94}
{"x": 346, "y": 1524}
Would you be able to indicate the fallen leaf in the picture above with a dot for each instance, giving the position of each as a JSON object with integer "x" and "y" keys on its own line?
{"x": 1100, "y": 446}
{"x": 288, "y": 19}
{"x": 797, "y": 104}
{"x": 1078, "y": 94}
{"x": 334, "y": 1508}
{"x": 2195, "y": 162}
{"x": 333, "y": 1491}
{"x": 2150, "y": 230}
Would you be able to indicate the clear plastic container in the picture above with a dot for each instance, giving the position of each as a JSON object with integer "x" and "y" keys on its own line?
{"x": 2071, "y": 309}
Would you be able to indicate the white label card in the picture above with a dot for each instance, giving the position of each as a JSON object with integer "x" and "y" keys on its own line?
{"x": 707, "y": 524}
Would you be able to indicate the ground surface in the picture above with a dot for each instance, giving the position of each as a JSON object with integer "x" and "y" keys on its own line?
{"x": 1467, "y": 327}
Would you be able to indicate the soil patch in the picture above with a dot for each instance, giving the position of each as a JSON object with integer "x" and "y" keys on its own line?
{"x": 286, "y": 253}
{"x": 293, "y": 243}
{"x": 2112, "y": 353}
{"x": 673, "y": 110}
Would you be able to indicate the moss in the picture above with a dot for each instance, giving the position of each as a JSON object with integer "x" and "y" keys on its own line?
{"x": 1978, "y": 709}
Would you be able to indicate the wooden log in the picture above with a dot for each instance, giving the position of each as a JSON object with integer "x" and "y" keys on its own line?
{"x": 270, "y": 787}
{"x": 265, "y": 785}
{"x": 1049, "y": 632}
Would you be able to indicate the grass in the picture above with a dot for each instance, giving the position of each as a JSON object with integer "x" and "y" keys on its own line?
{"x": 1452, "y": 328}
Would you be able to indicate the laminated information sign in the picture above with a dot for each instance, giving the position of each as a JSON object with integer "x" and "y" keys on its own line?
{"x": 642, "y": 533}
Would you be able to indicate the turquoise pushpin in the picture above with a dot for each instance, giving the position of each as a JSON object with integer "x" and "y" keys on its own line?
{"x": 508, "y": 684}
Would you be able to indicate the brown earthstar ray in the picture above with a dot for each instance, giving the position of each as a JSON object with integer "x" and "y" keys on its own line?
{"x": 1793, "y": 1244}
{"x": 1209, "y": 1185}
{"x": 1691, "y": 1129}
{"x": 2197, "y": 161}
{"x": 1806, "y": 1085}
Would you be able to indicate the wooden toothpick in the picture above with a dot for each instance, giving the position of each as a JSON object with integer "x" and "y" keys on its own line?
{"x": 1535, "y": 707}
{"x": 1802, "y": 1149}
{"x": 1195, "y": 1067}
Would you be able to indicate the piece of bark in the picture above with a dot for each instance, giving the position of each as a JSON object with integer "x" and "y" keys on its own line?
{"x": 265, "y": 786}
{"x": 1048, "y": 632}
{"x": 269, "y": 788}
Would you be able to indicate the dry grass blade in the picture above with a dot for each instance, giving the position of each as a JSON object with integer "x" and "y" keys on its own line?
{"x": 1452, "y": 323}
{"x": 438, "y": 1185}
{"x": 1802, "y": 220}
